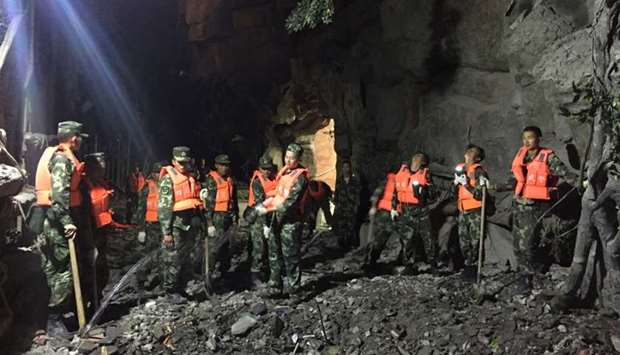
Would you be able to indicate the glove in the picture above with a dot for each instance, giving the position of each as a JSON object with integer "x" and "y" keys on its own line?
{"x": 211, "y": 231}
{"x": 585, "y": 184}
{"x": 261, "y": 210}
{"x": 483, "y": 181}
{"x": 70, "y": 231}
{"x": 141, "y": 237}
{"x": 417, "y": 189}
{"x": 393, "y": 214}
{"x": 372, "y": 212}
{"x": 266, "y": 232}
{"x": 203, "y": 194}
{"x": 460, "y": 179}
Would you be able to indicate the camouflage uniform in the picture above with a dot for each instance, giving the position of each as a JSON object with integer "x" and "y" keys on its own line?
{"x": 153, "y": 237}
{"x": 383, "y": 226}
{"x": 222, "y": 221}
{"x": 347, "y": 202}
{"x": 414, "y": 228}
{"x": 526, "y": 231}
{"x": 55, "y": 249}
{"x": 259, "y": 244}
{"x": 284, "y": 241}
{"x": 470, "y": 223}
{"x": 183, "y": 226}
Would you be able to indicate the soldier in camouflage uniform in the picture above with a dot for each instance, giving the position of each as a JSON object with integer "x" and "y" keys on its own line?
{"x": 347, "y": 202}
{"x": 221, "y": 210}
{"x": 149, "y": 235}
{"x": 532, "y": 197}
{"x": 179, "y": 214}
{"x": 382, "y": 214}
{"x": 262, "y": 186}
{"x": 285, "y": 235}
{"x": 58, "y": 188}
{"x": 469, "y": 181}
{"x": 414, "y": 188}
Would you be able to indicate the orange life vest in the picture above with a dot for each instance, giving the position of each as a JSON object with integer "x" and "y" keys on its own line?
{"x": 269, "y": 187}
{"x": 534, "y": 179}
{"x": 43, "y": 180}
{"x": 186, "y": 189}
{"x": 466, "y": 199}
{"x": 284, "y": 183}
{"x": 152, "y": 201}
{"x": 100, "y": 203}
{"x": 404, "y": 184}
{"x": 385, "y": 203}
{"x": 224, "y": 192}
{"x": 136, "y": 182}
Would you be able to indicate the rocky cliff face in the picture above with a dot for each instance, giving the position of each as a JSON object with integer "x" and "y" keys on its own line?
{"x": 405, "y": 75}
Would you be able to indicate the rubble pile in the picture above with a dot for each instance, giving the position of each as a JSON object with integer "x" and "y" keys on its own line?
{"x": 421, "y": 314}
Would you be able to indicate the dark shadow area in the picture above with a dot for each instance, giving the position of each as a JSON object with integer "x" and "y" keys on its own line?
{"x": 444, "y": 58}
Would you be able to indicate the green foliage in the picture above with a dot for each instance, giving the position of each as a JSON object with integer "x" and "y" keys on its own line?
{"x": 310, "y": 13}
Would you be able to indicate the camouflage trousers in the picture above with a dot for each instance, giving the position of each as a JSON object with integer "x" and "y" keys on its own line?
{"x": 284, "y": 245}
{"x": 345, "y": 227}
{"x": 414, "y": 228}
{"x": 176, "y": 259}
{"x": 526, "y": 235}
{"x": 152, "y": 242}
{"x": 258, "y": 245}
{"x": 56, "y": 264}
{"x": 469, "y": 235}
{"x": 219, "y": 254}
{"x": 383, "y": 228}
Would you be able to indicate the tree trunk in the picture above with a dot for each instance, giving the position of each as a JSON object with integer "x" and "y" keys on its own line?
{"x": 592, "y": 257}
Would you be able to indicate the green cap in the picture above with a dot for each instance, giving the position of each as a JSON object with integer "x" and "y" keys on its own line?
{"x": 67, "y": 127}
{"x": 94, "y": 158}
{"x": 265, "y": 163}
{"x": 295, "y": 148}
{"x": 222, "y": 159}
{"x": 181, "y": 154}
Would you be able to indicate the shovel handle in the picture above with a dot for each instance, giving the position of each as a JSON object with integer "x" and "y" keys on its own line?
{"x": 79, "y": 303}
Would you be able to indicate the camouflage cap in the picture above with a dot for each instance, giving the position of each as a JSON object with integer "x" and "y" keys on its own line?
{"x": 222, "y": 159}
{"x": 266, "y": 163}
{"x": 295, "y": 148}
{"x": 181, "y": 154}
{"x": 94, "y": 158}
{"x": 68, "y": 127}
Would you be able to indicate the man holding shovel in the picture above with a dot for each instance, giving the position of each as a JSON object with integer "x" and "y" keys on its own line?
{"x": 57, "y": 186}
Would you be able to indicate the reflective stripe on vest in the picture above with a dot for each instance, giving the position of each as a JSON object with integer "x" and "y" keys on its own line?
{"x": 269, "y": 187}
{"x": 534, "y": 179}
{"x": 404, "y": 184}
{"x": 152, "y": 201}
{"x": 224, "y": 193}
{"x": 284, "y": 183}
{"x": 100, "y": 204}
{"x": 43, "y": 180}
{"x": 385, "y": 203}
{"x": 466, "y": 199}
{"x": 186, "y": 190}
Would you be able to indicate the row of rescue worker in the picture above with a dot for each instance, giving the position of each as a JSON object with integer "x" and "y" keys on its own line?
{"x": 401, "y": 205}
{"x": 173, "y": 210}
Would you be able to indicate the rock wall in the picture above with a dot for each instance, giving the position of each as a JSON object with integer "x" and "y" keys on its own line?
{"x": 404, "y": 75}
